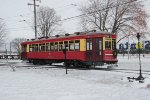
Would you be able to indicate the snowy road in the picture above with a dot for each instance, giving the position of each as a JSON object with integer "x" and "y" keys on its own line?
{"x": 30, "y": 83}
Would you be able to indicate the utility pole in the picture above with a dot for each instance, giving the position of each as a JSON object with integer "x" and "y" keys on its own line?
{"x": 35, "y": 21}
{"x": 5, "y": 49}
{"x": 128, "y": 43}
{"x": 128, "y": 47}
{"x": 10, "y": 48}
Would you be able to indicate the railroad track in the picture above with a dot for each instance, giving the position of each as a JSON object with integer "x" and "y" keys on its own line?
{"x": 102, "y": 69}
{"x": 28, "y": 66}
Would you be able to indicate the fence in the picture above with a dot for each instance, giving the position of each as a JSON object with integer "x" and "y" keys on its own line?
{"x": 9, "y": 56}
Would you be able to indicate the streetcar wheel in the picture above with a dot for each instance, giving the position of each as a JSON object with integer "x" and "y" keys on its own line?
{"x": 76, "y": 64}
{"x": 34, "y": 62}
{"x": 49, "y": 63}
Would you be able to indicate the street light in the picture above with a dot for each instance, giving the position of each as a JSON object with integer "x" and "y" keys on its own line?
{"x": 140, "y": 76}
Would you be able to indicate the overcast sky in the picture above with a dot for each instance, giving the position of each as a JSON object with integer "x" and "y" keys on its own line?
{"x": 13, "y": 12}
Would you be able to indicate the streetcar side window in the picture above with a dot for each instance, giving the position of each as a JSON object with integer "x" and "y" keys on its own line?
{"x": 51, "y": 46}
{"x": 71, "y": 45}
{"x": 47, "y": 46}
{"x": 30, "y": 48}
{"x": 60, "y": 46}
{"x": 42, "y": 47}
{"x": 77, "y": 45}
{"x": 33, "y": 47}
{"x": 66, "y": 44}
{"x": 56, "y": 46}
{"x": 36, "y": 47}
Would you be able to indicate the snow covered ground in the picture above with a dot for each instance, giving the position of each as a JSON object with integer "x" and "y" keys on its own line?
{"x": 30, "y": 83}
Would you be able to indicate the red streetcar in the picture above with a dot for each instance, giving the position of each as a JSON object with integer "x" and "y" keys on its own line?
{"x": 82, "y": 49}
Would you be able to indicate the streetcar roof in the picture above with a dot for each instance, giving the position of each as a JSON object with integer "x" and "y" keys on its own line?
{"x": 69, "y": 35}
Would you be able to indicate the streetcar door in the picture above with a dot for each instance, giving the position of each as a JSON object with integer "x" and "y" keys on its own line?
{"x": 89, "y": 48}
{"x": 24, "y": 52}
{"x": 97, "y": 49}
{"x": 94, "y": 49}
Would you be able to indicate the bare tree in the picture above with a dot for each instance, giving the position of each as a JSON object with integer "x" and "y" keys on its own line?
{"x": 2, "y": 32}
{"x": 48, "y": 21}
{"x": 16, "y": 43}
{"x": 113, "y": 16}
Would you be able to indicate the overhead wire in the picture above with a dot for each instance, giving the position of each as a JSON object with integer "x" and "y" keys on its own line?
{"x": 96, "y": 11}
{"x": 13, "y": 18}
{"x": 69, "y": 18}
{"x": 26, "y": 14}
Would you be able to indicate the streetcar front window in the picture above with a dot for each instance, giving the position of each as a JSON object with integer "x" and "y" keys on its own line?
{"x": 108, "y": 43}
